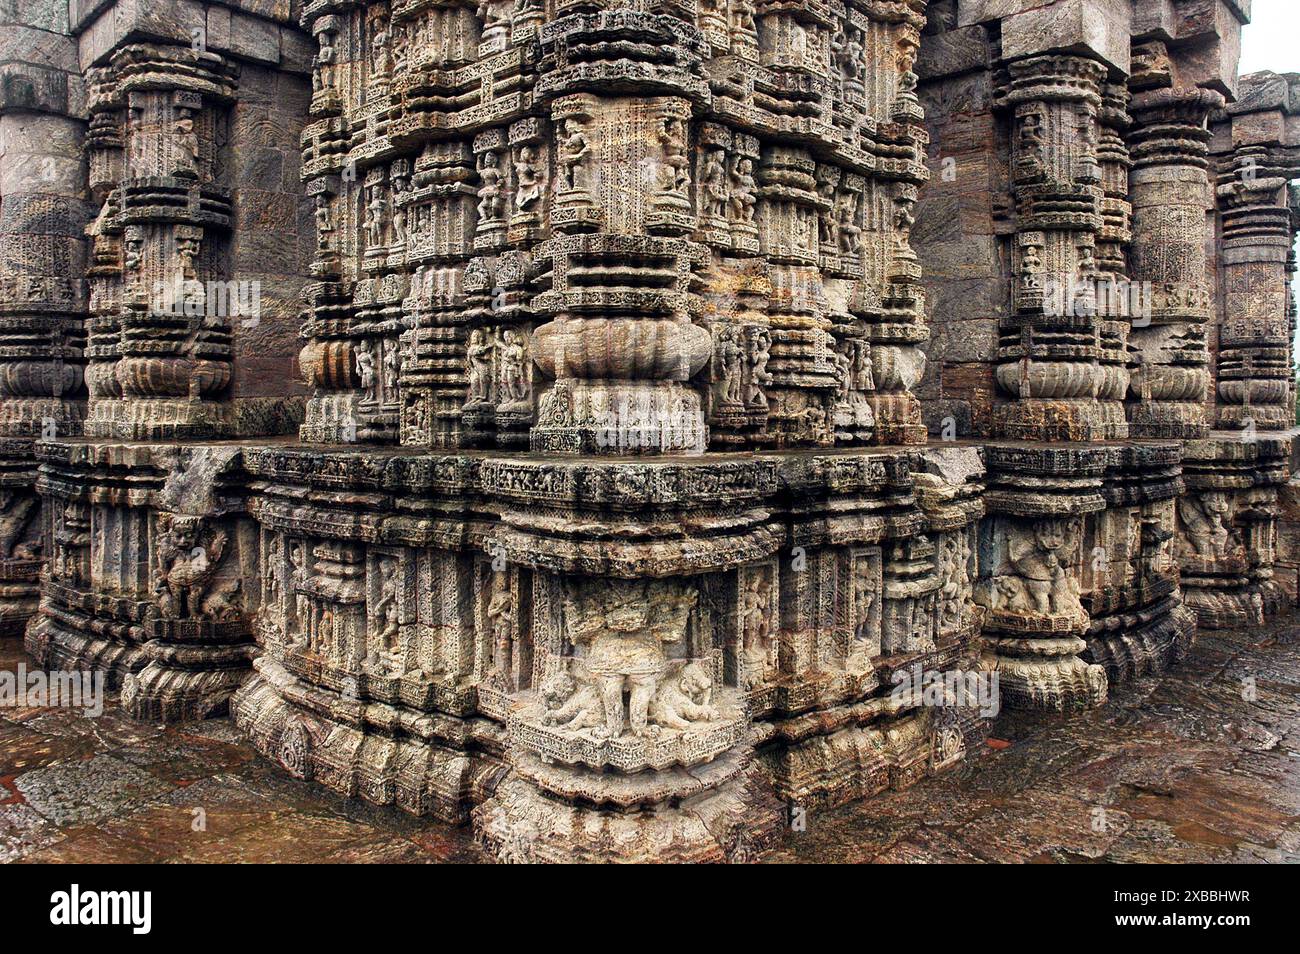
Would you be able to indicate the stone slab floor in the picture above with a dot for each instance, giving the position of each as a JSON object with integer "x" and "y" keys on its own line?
{"x": 1176, "y": 769}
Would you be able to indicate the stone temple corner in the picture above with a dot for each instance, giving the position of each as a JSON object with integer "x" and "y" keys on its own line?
{"x": 592, "y": 421}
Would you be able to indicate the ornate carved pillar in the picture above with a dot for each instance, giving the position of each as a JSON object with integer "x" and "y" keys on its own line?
{"x": 1054, "y": 342}
{"x": 43, "y": 211}
{"x": 1228, "y": 519}
{"x": 1032, "y": 561}
{"x": 1119, "y": 302}
{"x": 598, "y": 243}
{"x": 1253, "y": 360}
{"x": 160, "y": 364}
{"x": 1169, "y": 387}
{"x": 1129, "y": 580}
{"x": 152, "y": 570}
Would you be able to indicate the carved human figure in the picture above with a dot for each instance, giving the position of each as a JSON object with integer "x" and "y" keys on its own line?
{"x": 528, "y": 178}
{"x": 847, "y": 52}
{"x": 298, "y": 580}
{"x": 386, "y": 611}
{"x": 743, "y": 188}
{"x": 399, "y": 224}
{"x": 380, "y": 57}
{"x": 187, "y": 559}
{"x": 132, "y": 248}
{"x": 1206, "y": 521}
{"x": 1041, "y": 561}
{"x": 760, "y": 351}
{"x": 1154, "y": 539}
{"x": 187, "y": 145}
{"x": 366, "y": 365}
{"x": 272, "y": 572}
{"x": 479, "y": 354}
{"x": 904, "y": 217}
{"x": 72, "y": 540}
{"x": 323, "y": 74}
{"x": 399, "y": 49}
{"x": 417, "y": 419}
{"x": 573, "y": 149}
{"x": 624, "y": 626}
{"x": 864, "y": 597}
{"x": 500, "y": 614}
{"x": 760, "y": 650}
{"x": 491, "y": 204}
{"x": 713, "y": 181}
{"x": 324, "y": 221}
{"x": 827, "y": 219}
{"x": 866, "y": 376}
{"x": 846, "y": 209}
{"x": 1030, "y": 267}
{"x": 392, "y": 367}
{"x": 376, "y": 217}
{"x": 1087, "y": 261}
{"x": 729, "y": 367}
{"x": 187, "y": 250}
{"x": 802, "y": 228}
{"x": 1030, "y": 142}
{"x": 514, "y": 363}
{"x": 676, "y": 176}
{"x": 953, "y": 580}
{"x": 843, "y": 372}
{"x": 325, "y": 634}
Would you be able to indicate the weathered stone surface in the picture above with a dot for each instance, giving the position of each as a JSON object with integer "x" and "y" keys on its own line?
{"x": 1177, "y": 767}
{"x": 601, "y": 423}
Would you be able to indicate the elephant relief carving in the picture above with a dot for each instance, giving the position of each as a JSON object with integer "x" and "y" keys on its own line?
{"x": 624, "y": 627}
{"x": 1037, "y": 577}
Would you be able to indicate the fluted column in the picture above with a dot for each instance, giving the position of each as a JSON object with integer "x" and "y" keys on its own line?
{"x": 1170, "y": 384}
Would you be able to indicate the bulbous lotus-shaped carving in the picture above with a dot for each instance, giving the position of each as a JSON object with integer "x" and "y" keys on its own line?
{"x": 1050, "y": 379}
{"x": 101, "y": 380}
{"x": 171, "y": 377}
{"x": 665, "y": 349}
{"x": 38, "y": 379}
{"x": 1114, "y": 383}
{"x": 329, "y": 364}
{"x": 1256, "y": 391}
{"x": 896, "y": 368}
{"x": 1169, "y": 383}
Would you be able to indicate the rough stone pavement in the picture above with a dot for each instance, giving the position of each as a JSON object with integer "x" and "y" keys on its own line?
{"x": 1181, "y": 768}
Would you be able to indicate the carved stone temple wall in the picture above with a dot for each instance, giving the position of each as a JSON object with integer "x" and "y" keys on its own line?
{"x": 593, "y": 420}
{"x": 158, "y": 236}
{"x": 1106, "y": 244}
